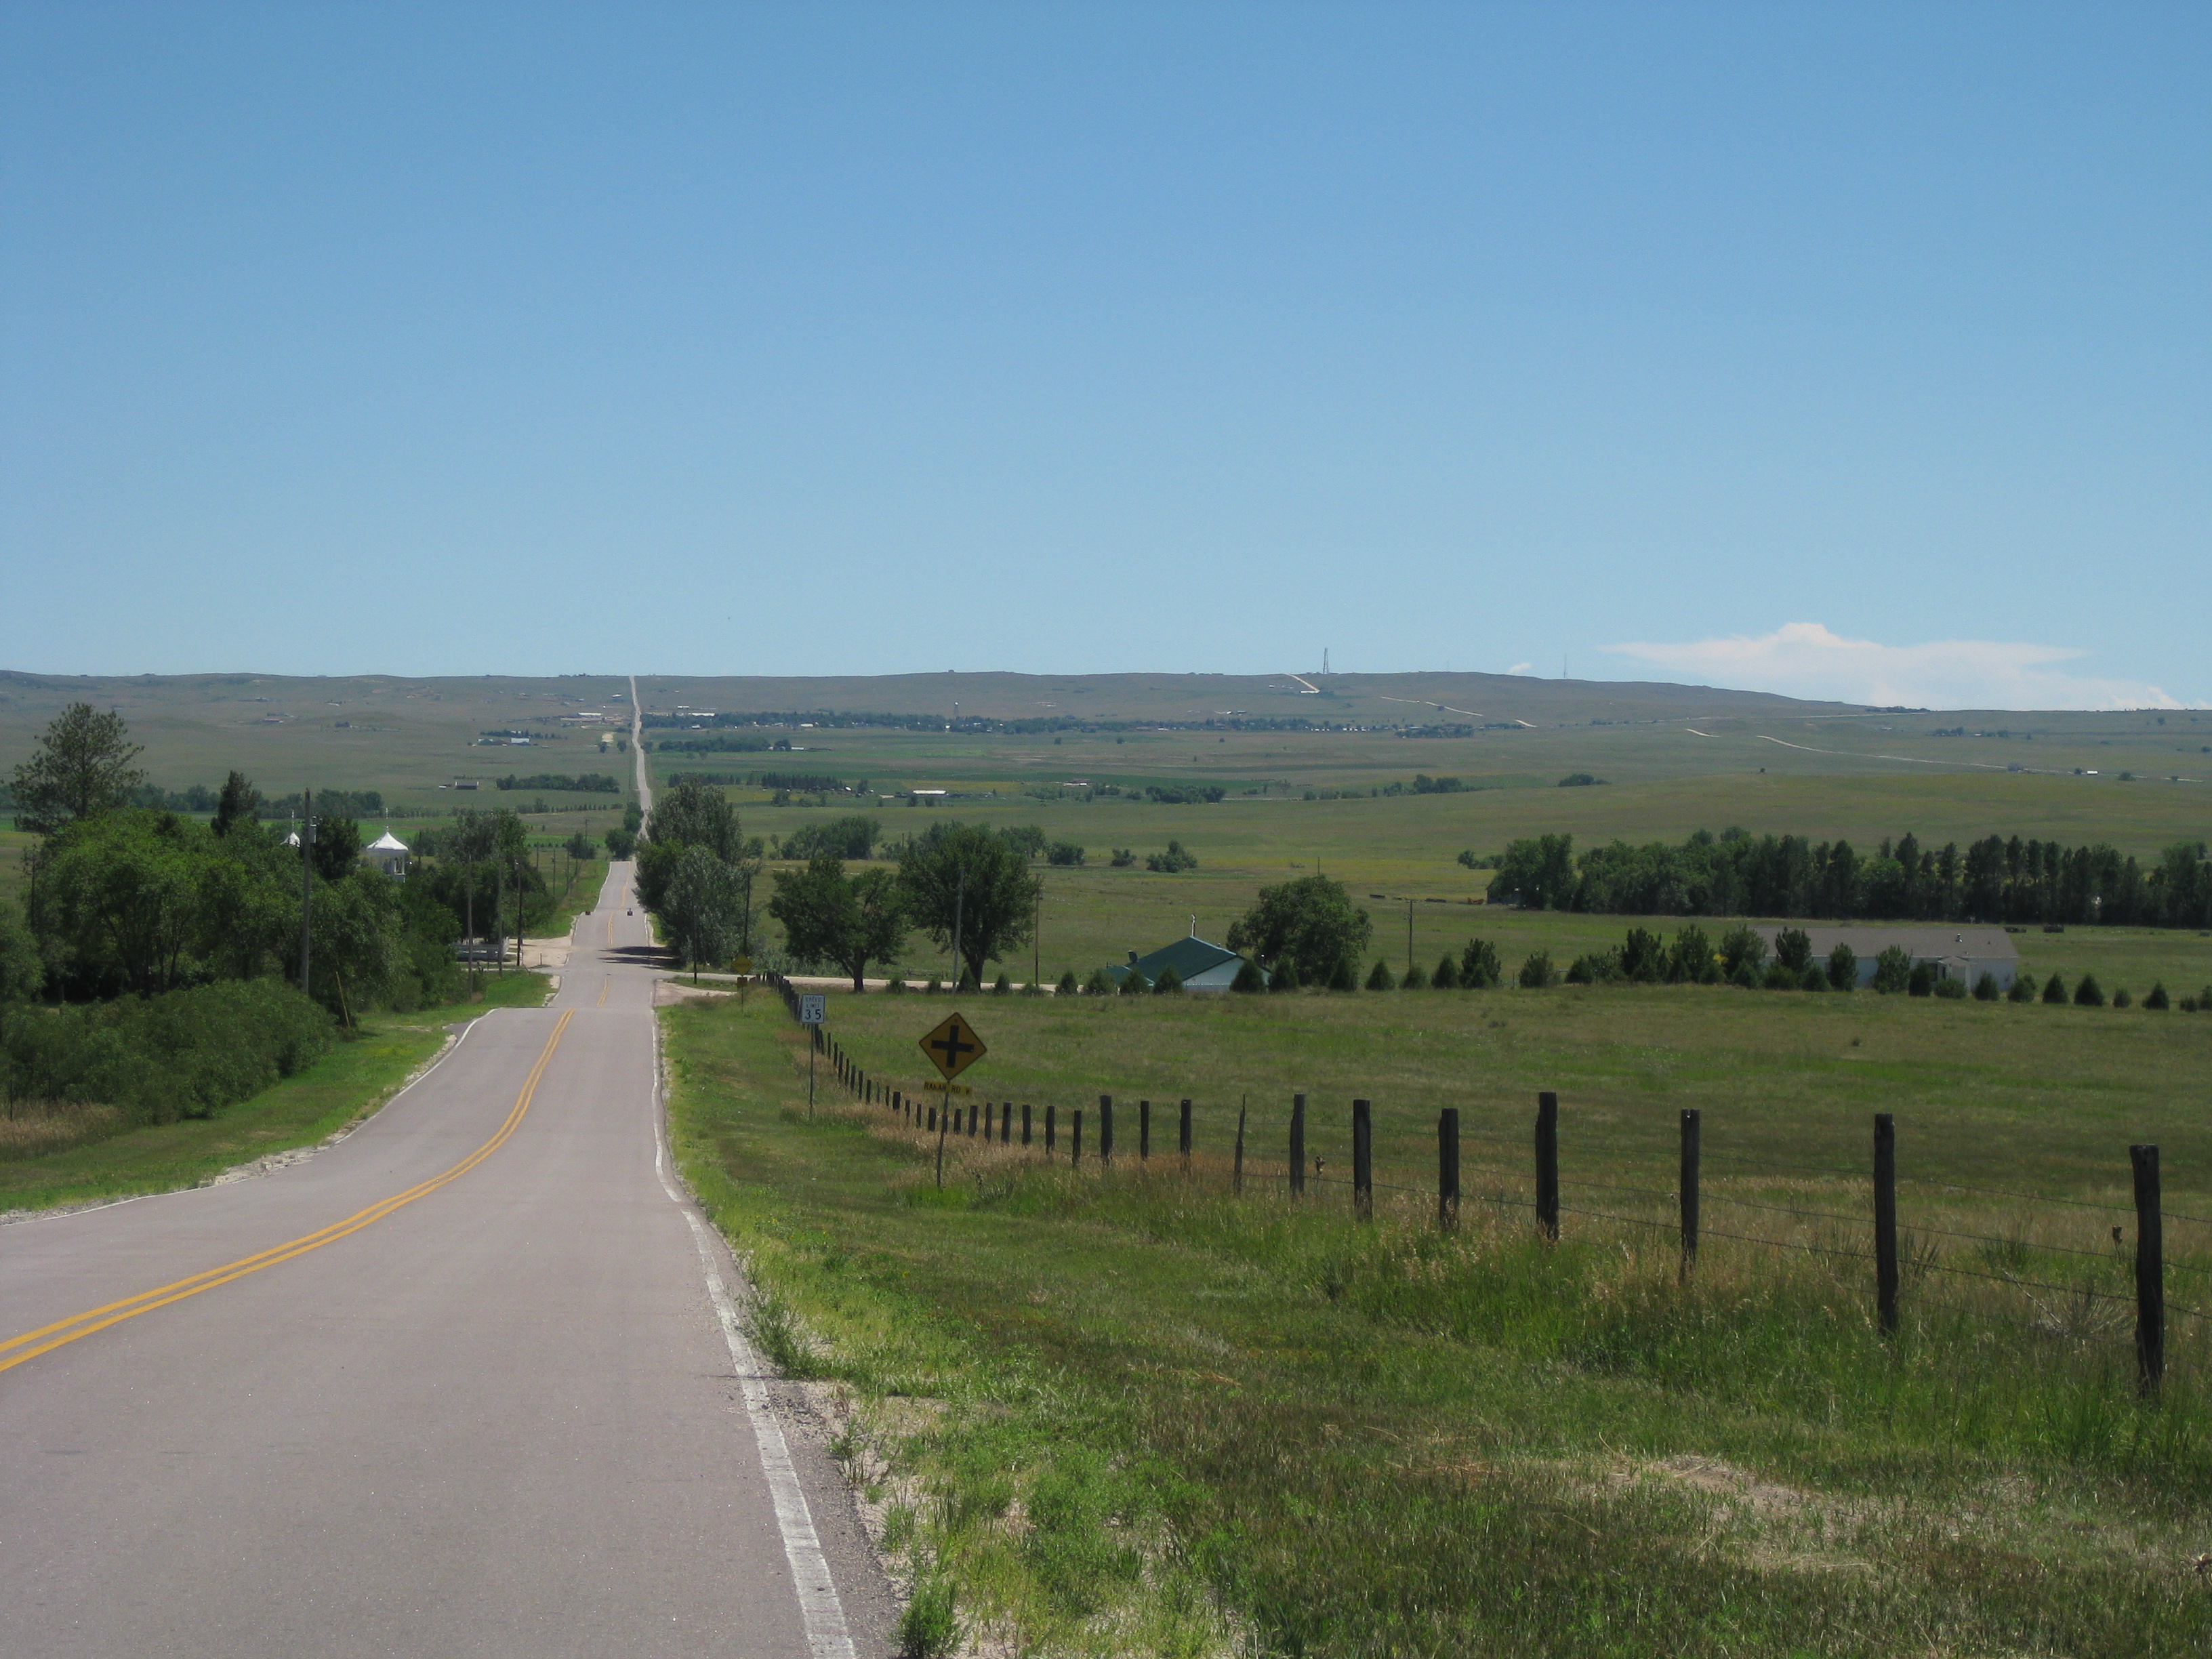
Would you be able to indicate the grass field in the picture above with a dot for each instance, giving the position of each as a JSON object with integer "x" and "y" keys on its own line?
{"x": 1133, "y": 1411}
{"x": 353, "y": 1078}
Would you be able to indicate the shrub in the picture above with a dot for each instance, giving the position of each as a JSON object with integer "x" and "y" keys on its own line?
{"x": 1415, "y": 979}
{"x": 2121, "y": 999}
{"x": 1985, "y": 988}
{"x": 1174, "y": 861}
{"x": 1134, "y": 984}
{"x": 1378, "y": 977}
{"x": 895, "y": 985}
{"x": 1446, "y": 977}
{"x": 183, "y": 1054}
{"x": 1952, "y": 990}
{"x": 1248, "y": 978}
{"x": 1793, "y": 948}
{"x": 1478, "y": 967}
{"x": 1100, "y": 984}
{"x": 1842, "y": 968}
{"x": 1002, "y": 986}
{"x": 1168, "y": 984}
{"x": 1921, "y": 982}
{"x": 1643, "y": 957}
{"x": 1537, "y": 973}
{"x": 1063, "y": 853}
{"x": 2156, "y": 997}
{"x": 1781, "y": 976}
{"x": 929, "y": 1628}
{"x": 1284, "y": 975}
{"x": 622, "y": 843}
{"x": 581, "y": 847}
{"x": 1579, "y": 781}
{"x": 1892, "y": 970}
{"x": 2054, "y": 989}
{"x": 1121, "y": 858}
{"x": 1067, "y": 983}
{"x": 1339, "y": 977}
{"x": 1032, "y": 989}
{"x": 2023, "y": 988}
{"x": 935, "y": 986}
{"x": 1743, "y": 949}
{"x": 1815, "y": 977}
{"x": 2088, "y": 993}
{"x": 1690, "y": 958}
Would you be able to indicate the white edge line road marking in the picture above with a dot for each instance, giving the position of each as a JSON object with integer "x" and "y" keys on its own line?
{"x": 1694, "y": 732}
{"x": 827, "y": 1637}
{"x": 439, "y": 1060}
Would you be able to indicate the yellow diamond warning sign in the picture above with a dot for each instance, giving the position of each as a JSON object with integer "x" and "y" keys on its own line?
{"x": 953, "y": 1047}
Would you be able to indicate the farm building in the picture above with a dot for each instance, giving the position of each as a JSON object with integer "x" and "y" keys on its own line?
{"x": 1961, "y": 953}
{"x": 1200, "y": 965}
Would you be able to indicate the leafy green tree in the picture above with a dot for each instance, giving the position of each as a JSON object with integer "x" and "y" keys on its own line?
{"x": 1643, "y": 956}
{"x": 118, "y": 896}
{"x": 1134, "y": 984}
{"x": 22, "y": 969}
{"x": 622, "y": 843}
{"x": 1311, "y": 924}
{"x": 967, "y": 878}
{"x": 1537, "y": 874}
{"x": 359, "y": 942}
{"x": 582, "y": 847}
{"x": 80, "y": 770}
{"x": 2023, "y": 988}
{"x": 1892, "y": 970}
{"x": 1100, "y": 984}
{"x": 851, "y": 837}
{"x": 1921, "y": 982}
{"x": 1248, "y": 978}
{"x": 1174, "y": 861}
{"x": 1691, "y": 959}
{"x": 1168, "y": 984}
{"x": 829, "y": 916}
{"x": 1026, "y": 838}
{"x": 337, "y": 848}
{"x": 1537, "y": 973}
{"x": 1342, "y": 977}
{"x": 1378, "y": 977}
{"x": 1064, "y": 854}
{"x": 1842, "y": 968}
{"x": 1480, "y": 968}
{"x": 1066, "y": 987}
{"x": 700, "y": 908}
{"x": 238, "y": 803}
{"x": 1793, "y": 949}
{"x": 1985, "y": 988}
{"x": 1743, "y": 956}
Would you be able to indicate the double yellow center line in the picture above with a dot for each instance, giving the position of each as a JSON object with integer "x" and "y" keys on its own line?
{"x": 31, "y": 1344}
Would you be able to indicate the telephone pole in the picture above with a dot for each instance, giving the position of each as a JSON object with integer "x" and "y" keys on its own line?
{"x": 306, "y": 882}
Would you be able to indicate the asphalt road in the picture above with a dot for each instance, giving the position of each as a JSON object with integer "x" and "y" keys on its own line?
{"x": 464, "y": 1383}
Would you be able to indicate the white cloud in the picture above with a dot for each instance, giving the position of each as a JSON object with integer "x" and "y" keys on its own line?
{"x": 1520, "y": 668}
{"x": 1804, "y": 659}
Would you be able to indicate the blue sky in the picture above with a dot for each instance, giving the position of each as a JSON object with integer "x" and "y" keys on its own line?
{"x": 1856, "y": 351}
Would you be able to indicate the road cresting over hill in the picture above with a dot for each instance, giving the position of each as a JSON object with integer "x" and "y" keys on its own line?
{"x": 63, "y": 1332}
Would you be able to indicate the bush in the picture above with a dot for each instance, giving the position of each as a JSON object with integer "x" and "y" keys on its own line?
{"x": 622, "y": 843}
{"x": 1378, "y": 978}
{"x": 1122, "y": 858}
{"x": 1415, "y": 979}
{"x": 1284, "y": 975}
{"x": 1002, "y": 986}
{"x": 896, "y": 986}
{"x": 1952, "y": 990}
{"x": 2156, "y": 998}
{"x": 1793, "y": 949}
{"x": 1985, "y": 988}
{"x": 582, "y": 847}
{"x": 929, "y": 1628}
{"x": 1643, "y": 957}
{"x": 1446, "y": 978}
{"x": 2088, "y": 993}
{"x": 1892, "y": 970}
{"x": 1743, "y": 956}
{"x": 1134, "y": 984}
{"x": 1842, "y": 968}
{"x": 1064, "y": 853}
{"x": 1174, "y": 861}
{"x": 1783, "y": 976}
{"x": 1340, "y": 978}
{"x": 1478, "y": 967}
{"x": 1248, "y": 978}
{"x": 186, "y": 1053}
{"x": 2023, "y": 988}
{"x": 1579, "y": 781}
{"x": 1168, "y": 984}
{"x": 1067, "y": 983}
{"x": 2054, "y": 989}
{"x": 1100, "y": 984}
{"x": 1690, "y": 958}
{"x": 1921, "y": 982}
{"x": 1816, "y": 977}
{"x": 2121, "y": 999}
{"x": 1537, "y": 973}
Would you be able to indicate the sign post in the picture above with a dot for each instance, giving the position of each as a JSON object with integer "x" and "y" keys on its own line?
{"x": 810, "y": 1014}
{"x": 952, "y": 1047}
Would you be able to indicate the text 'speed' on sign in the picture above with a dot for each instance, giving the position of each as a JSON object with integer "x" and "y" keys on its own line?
{"x": 953, "y": 1047}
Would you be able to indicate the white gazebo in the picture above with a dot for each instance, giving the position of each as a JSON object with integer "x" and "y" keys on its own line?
{"x": 388, "y": 854}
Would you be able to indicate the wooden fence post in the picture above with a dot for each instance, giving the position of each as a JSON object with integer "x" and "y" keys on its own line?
{"x": 2150, "y": 1273}
{"x": 1362, "y": 1160}
{"x": 1182, "y": 1135}
{"x": 1106, "y": 1129}
{"x": 1448, "y": 1168}
{"x": 1239, "y": 1167}
{"x": 1051, "y": 1128}
{"x": 1075, "y": 1153}
{"x": 1547, "y": 1164}
{"x": 932, "y": 1117}
{"x": 1025, "y": 1123}
{"x": 944, "y": 1121}
{"x": 1885, "y": 1220}
{"x": 1298, "y": 1143}
{"x": 1688, "y": 1194}
{"x": 1143, "y": 1132}
{"x": 1006, "y": 1123}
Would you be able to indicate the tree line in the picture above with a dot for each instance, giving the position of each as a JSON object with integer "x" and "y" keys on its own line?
{"x": 1995, "y": 879}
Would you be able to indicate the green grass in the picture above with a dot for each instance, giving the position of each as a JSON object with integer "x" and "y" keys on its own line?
{"x": 352, "y": 1079}
{"x": 1133, "y": 1412}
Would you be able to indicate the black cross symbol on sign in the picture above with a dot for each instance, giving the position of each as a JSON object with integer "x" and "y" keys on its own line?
{"x": 952, "y": 1047}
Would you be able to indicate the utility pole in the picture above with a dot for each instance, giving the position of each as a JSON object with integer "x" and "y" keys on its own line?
{"x": 307, "y": 881}
{"x": 1409, "y": 936}
{"x": 1037, "y": 937}
{"x": 959, "y": 899}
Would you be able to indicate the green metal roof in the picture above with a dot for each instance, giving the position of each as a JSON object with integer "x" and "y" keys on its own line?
{"x": 1190, "y": 957}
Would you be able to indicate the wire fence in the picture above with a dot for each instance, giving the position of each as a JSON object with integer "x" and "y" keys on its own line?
{"x": 1878, "y": 1237}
